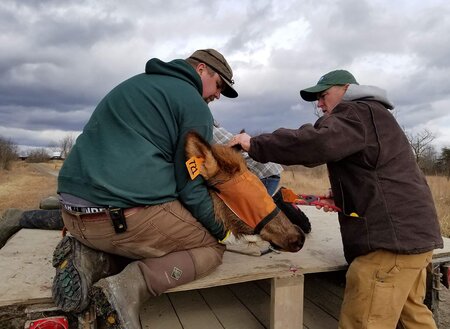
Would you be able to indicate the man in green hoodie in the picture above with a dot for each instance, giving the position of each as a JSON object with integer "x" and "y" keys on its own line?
{"x": 125, "y": 190}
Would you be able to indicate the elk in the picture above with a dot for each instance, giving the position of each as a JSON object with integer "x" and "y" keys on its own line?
{"x": 240, "y": 200}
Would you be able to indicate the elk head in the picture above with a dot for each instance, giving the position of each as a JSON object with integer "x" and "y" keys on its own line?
{"x": 241, "y": 201}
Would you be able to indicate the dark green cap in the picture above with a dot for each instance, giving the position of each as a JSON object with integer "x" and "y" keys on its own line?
{"x": 333, "y": 78}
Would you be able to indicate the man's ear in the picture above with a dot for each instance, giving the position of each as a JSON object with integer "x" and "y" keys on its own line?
{"x": 197, "y": 147}
{"x": 200, "y": 68}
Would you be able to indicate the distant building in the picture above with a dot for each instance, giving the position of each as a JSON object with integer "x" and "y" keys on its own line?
{"x": 56, "y": 155}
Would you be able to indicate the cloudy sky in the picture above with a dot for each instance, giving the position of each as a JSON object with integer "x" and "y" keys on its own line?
{"x": 59, "y": 58}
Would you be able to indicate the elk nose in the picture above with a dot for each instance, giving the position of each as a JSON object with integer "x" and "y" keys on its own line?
{"x": 300, "y": 240}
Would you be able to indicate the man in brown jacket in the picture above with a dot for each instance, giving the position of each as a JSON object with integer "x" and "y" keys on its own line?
{"x": 388, "y": 221}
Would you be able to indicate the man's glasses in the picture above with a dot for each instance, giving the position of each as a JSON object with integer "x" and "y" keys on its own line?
{"x": 219, "y": 84}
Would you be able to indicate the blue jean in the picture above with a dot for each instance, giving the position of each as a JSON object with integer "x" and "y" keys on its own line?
{"x": 271, "y": 183}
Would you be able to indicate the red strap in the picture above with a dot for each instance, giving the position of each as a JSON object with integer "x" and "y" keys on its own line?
{"x": 307, "y": 199}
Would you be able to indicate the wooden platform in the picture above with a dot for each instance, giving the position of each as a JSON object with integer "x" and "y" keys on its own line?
{"x": 244, "y": 305}
{"x": 26, "y": 278}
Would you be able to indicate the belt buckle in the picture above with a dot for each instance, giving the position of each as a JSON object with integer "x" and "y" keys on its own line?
{"x": 118, "y": 218}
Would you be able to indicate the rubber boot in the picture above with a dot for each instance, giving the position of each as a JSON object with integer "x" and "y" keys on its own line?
{"x": 9, "y": 224}
{"x": 49, "y": 203}
{"x": 118, "y": 299}
{"x": 77, "y": 268}
{"x": 42, "y": 219}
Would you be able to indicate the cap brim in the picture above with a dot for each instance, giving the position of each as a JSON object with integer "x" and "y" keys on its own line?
{"x": 229, "y": 90}
{"x": 310, "y": 94}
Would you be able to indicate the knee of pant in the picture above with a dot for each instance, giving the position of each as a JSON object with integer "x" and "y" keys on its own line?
{"x": 206, "y": 259}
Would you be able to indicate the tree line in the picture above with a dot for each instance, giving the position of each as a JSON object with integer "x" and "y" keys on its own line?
{"x": 428, "y": 158}
{"x": 9, "y": 151}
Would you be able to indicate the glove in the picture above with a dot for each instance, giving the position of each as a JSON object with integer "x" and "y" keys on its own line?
{"x": 246, "y": 244}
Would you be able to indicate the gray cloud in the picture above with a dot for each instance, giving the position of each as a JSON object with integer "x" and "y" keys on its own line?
{"x": 60, "y": 58}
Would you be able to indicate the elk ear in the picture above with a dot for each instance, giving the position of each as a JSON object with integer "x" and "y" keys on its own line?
{"x": 197, "y": 146}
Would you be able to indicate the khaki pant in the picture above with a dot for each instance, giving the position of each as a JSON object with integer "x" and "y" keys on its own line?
{"x": 384, "y": 289}
{"x": 153, "y": 232}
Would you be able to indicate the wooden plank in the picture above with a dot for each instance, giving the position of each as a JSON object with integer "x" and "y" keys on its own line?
{"x": 322, "y": 253}
{"x": 313, "y": 316}
{"x": 231, "y": 312}
{"x": 26, "y": 274}
{"x": 255, "y": 299}
{"x": 316, "y": 318}
{"x": 265, "y": 285}
{"x": 158, "y": 313}
{"x": 286, "y": 303}
{"x": 321, "y": 292}
{"x": 228, "y": 309}
{"x": 193, "y": 312}
{"x": 255, "y": 296}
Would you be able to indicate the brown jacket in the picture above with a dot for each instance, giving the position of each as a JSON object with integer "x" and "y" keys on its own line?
{"x": 373, "y": 174}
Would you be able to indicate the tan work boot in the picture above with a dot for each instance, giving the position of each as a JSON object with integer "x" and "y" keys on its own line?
{"x": 118, "y": 299}
{"x": 77, "y": 268}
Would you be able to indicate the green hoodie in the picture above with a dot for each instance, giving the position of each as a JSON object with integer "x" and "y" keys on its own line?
{"x": 131, "y": 151}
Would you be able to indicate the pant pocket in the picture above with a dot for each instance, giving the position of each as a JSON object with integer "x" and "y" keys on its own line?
{"x": 382, "y": 307}
{"x": 144, "y": 241}
{"x": 382, "y": 299}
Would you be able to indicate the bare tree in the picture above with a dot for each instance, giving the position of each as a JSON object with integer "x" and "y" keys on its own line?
{"x": 38, "y": 155}
{"x": 420, "y": 142}
{"x": 444, "y": 162}
{"x": 428, "y": 161}
{"x": 66, "y": 145}
{"x": 8, "y": 153}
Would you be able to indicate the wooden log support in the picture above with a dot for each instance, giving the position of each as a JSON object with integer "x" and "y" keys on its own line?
{"x": 286, "y": 303}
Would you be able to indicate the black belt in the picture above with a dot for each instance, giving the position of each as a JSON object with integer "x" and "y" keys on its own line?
{"x": 116, "y": 215}
{"x": 84, "y": 210}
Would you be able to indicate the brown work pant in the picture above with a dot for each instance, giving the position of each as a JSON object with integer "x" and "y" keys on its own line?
{"x": 156, "y": 235}
{"x": 383, "y": 289}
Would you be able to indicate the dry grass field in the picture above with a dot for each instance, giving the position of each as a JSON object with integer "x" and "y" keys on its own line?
{"x": 25, "y": 185}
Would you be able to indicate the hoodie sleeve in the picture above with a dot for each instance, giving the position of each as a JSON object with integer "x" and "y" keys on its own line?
{"x": 193, "y": 193}
{"x": 332, "y": 138}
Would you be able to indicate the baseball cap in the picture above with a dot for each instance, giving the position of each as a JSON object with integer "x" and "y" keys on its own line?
{"x": 333, "y": 78}
{"x": 219, "y": 64}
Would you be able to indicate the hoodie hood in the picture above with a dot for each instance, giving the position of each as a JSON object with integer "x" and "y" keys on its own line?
{"x": 177, "y": 68}
{"x": 368, "y": 93}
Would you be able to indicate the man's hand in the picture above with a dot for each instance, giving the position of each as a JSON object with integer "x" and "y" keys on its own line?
{"x": 241, "y": 139}
{"x": 246, "y": 244}
{"x": 327, "y": 205}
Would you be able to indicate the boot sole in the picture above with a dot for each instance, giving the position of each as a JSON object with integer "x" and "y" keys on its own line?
{"x": 69, "y": 291}
{"x": 105, "y": 309}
